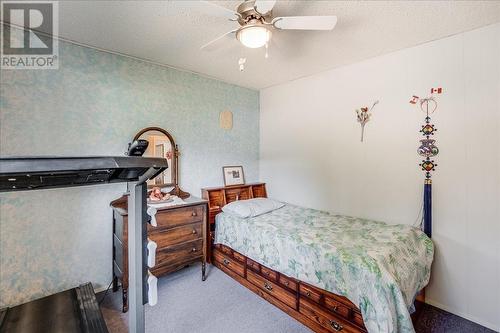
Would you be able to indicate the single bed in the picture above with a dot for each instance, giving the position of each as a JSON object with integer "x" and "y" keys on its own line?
{"x": 331, "y": 272}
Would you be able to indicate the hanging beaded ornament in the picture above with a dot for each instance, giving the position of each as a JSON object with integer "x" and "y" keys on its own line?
{"x": 427, "y": 148}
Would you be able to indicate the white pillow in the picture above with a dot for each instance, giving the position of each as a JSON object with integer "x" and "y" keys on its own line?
{"x": 251, "y": 207}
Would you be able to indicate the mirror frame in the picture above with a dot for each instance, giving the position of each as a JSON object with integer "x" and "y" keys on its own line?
{"x": 174, "y": 164}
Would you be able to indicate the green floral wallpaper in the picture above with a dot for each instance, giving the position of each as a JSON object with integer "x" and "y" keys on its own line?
{"x": 51, "y": 240}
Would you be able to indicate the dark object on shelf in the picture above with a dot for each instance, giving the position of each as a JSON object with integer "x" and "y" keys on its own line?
{"x": 77, "y": 311}
{"x": 137, "y": 147}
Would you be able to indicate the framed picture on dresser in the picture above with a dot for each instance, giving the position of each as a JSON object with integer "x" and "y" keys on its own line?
{"x": 233, "y": 175}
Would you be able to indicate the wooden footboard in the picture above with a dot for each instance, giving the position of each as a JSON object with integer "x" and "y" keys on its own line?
{"x": 316, "y": 308}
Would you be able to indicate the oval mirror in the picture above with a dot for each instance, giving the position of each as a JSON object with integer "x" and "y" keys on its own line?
{"x": 161, "y": 144}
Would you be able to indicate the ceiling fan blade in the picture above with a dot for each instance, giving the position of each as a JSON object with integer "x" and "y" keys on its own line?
{"x": 264, "y": 6}
{"x": 305, "y": 22}
{"x": 212, "y": 45}
{"x": 216, "y": 10}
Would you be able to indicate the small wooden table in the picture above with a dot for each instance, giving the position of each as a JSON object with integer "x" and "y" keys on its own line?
{"x": 181, "y": 237}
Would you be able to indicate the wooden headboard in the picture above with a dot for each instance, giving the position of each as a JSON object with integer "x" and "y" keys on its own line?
{"x": 218, "y": 197}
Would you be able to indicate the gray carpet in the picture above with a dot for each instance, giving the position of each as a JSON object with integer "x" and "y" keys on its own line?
{"x": 222, "y": 305}
{"x": 217, "y": 305}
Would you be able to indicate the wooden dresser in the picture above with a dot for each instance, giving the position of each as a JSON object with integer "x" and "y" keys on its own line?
{"x": 181, "y": 238}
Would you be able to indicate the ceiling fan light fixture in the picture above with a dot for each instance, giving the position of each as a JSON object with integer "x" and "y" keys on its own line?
{"x": 254, "y": 36}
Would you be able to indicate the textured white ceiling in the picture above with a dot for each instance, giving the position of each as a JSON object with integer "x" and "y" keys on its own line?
{"x": 171, "y": 33}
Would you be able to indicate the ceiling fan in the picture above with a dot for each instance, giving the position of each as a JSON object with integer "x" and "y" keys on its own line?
{"x": 257, "y": 21}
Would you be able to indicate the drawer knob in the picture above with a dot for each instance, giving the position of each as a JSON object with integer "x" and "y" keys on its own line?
{"x": 193, "y": 214}
{"x": 286, "y": 283}
{"x": 336, "y": 326}
{"x": 267, "y": 273}
{"x": 268, "y": 287}
{"x": 193, "y": 249}
{"x": 308, "y": 293}
{"x": 194, "y": 231}
{"x": 335, "y": 308}
{"x": 225, "y": 261}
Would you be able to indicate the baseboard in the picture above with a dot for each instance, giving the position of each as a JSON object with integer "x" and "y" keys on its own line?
{"x": 463, "y": 315}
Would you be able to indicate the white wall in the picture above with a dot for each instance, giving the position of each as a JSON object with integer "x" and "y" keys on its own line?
{"x": 311, "y": 155}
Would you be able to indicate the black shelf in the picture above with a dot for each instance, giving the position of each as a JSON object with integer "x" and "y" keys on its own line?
{"x": 32, "y": 173}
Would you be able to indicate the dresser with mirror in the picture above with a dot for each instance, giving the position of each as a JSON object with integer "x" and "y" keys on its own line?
{"x": 180, "y": 224}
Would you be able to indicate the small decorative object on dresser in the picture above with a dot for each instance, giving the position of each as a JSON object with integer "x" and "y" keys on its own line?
{"x": 233, "y": 175}
{"x": 180, "y": 235}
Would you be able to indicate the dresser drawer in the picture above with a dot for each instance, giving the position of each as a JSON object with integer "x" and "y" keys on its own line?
{"x": 288, "y": 282}
{"x": 273, "y": 289}
{"x": 228, "y": 262}
{"x": 169, "y": 218}
{"x": 327, "y": 320}
{"x": 177, "y": 235}
{"x": 177, "y": 254}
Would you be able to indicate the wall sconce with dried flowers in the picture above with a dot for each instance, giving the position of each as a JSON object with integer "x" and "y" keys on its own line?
{"x": 363, "y": 116}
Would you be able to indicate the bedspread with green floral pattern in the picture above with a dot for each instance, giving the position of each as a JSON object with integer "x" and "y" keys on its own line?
{"x": 377, "y": 266}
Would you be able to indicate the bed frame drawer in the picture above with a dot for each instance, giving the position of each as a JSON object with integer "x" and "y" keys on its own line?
{"x": 268, "y": 273}
{"x": 230, "y": 252}
{"x": 226, "y": 250}
{"x": 239, "y": 257}
{"x": 310, "y": 293}
{"x": 272, "y": 289}
{"x": 288, "y": 282}
{"x": 331, "y": 322}
{"x": 253, "y": 265}
{"x": 318, "y": 309}
{"x": 358, "y": 319}
{"x": 338, "y": 308}
{"x": 229, "y": 263}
